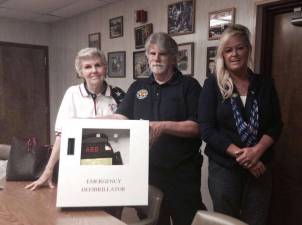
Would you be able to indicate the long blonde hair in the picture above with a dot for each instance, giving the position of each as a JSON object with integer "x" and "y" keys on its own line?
{"x": 224, "y": 80}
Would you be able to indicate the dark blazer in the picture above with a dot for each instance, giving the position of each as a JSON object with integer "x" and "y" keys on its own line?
{"x": 217, "y": 124}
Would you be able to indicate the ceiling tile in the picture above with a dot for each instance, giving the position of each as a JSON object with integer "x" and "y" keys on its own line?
{"x": 18, "y": 14}
{"x": 47, "y": 18}
{"x": 108, "y": 1}
{"x": 77, "y": 8}
{"x": 40, "y": 6}
{"x": 80, "y": 7}
{"x": 47, "y": 10}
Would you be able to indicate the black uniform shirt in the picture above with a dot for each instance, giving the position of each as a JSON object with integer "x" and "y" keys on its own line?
{"x": 175, "y": 100}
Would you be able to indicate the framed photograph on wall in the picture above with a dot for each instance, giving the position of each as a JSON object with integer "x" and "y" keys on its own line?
{"x": 181, "y": 18}
{"x": 219, "y": 21}
{"x": 185, "y": 59}
{"x": 140, "y": 65}
{"x": 116, "y": 64}
{"x": 116, "y": 27}
{"x": 141, "y": 34}
{"x": 94, "y": 40}
{"x": 211, "y": 54}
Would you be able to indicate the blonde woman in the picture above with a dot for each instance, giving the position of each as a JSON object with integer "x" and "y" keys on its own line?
{"x": 240, "y": 120}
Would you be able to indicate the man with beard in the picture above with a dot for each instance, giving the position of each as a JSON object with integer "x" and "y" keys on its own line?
{"x": 169, "y": 101}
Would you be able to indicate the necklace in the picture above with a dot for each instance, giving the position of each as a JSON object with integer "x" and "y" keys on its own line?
{"x": 242, "y": 86}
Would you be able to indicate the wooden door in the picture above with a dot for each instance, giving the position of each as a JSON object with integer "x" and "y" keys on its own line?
{"x": 24, "y": 104}
{"x": 285, "y": 66}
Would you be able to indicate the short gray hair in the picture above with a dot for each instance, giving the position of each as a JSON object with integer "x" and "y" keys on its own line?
{"x": 164, "y": 42}
{"x": 88, "y": 53}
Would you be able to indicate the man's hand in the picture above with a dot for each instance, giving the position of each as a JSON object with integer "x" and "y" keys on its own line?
{"x": 156, "y": 129}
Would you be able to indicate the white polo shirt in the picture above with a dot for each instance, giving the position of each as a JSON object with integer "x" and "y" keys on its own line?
{"x": 78, "y": 103}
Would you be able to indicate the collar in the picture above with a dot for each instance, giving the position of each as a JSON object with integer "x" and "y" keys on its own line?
{"x": 85, "y": 93}
{"x": 252, "y": 83}
{"x": 175, "y": 79}
{"x": 253, "y": 87}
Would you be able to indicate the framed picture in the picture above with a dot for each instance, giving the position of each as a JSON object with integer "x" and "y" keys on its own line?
{"x": 94, "y": 40}
{"x": 185, "y": 59}
{"x": 117, "y": 64}
{"x": 116, "y": 27}
{"x": 181, "y": 18}
{"x": 211, "y": 54}
{"x": 141, "y": 34}
{"x": 218, "y": 22}
{"x": 140, "y": 65}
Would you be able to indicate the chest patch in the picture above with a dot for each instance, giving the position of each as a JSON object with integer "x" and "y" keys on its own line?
{"x": 141, "y": 94}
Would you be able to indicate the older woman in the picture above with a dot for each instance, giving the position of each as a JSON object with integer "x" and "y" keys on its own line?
{"x": 93, "y": 98}
{"x": 240, "y": 120}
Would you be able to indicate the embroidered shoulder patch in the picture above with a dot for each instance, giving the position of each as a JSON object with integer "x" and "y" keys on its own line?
{"x": 141, "y": 94}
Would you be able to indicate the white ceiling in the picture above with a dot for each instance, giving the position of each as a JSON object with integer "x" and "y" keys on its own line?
{"x": 47, "y": 11}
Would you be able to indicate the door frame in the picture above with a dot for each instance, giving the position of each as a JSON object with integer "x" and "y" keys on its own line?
{"x": 265, "y": 31}
{"x": 46, "y": 85}
{"x": 266, "y": 14}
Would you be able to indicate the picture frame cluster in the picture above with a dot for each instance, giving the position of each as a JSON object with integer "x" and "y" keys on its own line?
{"x": 180, "y": 21}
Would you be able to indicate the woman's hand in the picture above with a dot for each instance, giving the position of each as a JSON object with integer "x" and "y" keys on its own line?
{"x": 249, "y": 156}
{"x": 258, "y": 169}
{"x": 234, "y": 151}
{"x": 44, "y": 180}
{"x": 46, "y": 177}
